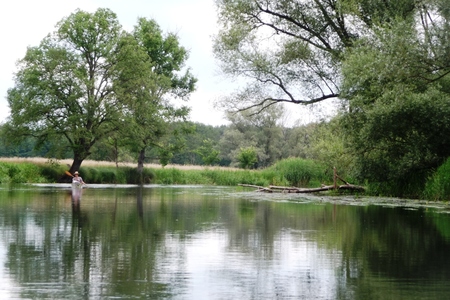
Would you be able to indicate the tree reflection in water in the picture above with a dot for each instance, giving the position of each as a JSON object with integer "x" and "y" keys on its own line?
{"x": 194, "y": 242}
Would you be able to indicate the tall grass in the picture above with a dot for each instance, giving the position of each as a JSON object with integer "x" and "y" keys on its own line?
{"x": 26, "y": 173}
{"x": 212, "y": 177}
{"x": 293, "y": 172}
{"x": 301, "y": 172}
{"x": 116, "y": 175}
{"x": 438, "y": 185}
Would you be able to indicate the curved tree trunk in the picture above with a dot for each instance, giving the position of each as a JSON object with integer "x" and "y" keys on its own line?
{"x": 76, "y": 164}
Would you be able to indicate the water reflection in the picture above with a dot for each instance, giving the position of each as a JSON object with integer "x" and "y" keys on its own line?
{"x": 76, "y": 194}
{"x": 215, "y": 243}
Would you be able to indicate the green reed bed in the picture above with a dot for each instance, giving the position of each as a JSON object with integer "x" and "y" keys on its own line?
{"x": 210, "y": 177}
{"x": 28, "y": 173}
{"x": 289, "y": 172}
{"x": 292, "y": 172}
{"x": 302, "y": 173}
{"x": 116, "y": 175}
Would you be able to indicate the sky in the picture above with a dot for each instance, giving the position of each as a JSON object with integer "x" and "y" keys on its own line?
{"x": 25, "y": 23}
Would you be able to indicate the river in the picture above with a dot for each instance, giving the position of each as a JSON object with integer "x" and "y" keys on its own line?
{"x": 209, "y": 242}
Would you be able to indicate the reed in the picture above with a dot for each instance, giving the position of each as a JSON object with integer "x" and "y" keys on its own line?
{"x": 210, "y": 177}
{"x": 23, "y": 173}
{"x": 288, "y": 172}
{"x": 301, "y": 172}
{"x": 437, "y": 186}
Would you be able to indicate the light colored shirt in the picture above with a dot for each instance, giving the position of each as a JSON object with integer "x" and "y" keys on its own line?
{"x": 77, "y": 179}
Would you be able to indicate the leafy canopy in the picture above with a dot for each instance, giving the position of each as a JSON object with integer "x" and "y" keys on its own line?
{"x": 89, "y": 78}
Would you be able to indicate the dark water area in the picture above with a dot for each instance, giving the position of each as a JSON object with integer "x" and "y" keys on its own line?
{"x": 194, "y": 242}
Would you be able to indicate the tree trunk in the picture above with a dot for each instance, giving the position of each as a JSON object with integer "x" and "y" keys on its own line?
{"x": 80, "y": 153}
{"x": 76, "y": 164}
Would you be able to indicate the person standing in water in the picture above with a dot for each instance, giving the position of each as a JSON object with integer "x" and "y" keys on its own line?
{"x": 77, "y": 179}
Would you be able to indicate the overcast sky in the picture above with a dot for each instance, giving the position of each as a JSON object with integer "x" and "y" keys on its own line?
{"x": 25, "y": 23}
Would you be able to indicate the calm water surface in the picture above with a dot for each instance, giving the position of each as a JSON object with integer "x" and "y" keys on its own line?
{"x": 191, "y": 242}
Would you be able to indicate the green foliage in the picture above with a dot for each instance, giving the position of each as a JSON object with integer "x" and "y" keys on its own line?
{"x": 322, "y": 142}
{"x": 388, "y": 65}
{"x": 57, "y": 95}
{"x": 398, "y": 89}
{"x": 438, "y": 184}
{"x": 209, "y": 155}
{"x": 30, "y": 146}
{"x": 157, "y": 62}
{"x": 113, "y": 175}
{"x": 188, "y": 155}
{"x": 212, "y": 177}
{"x": 247, "y": 158}
{"x": 164, "y": 156}
{"x": 171, "y": 176}
{"x": 90, "y": 78}
{"x": 21, "y": 173}
{"x": 4, "y": 176}
{"x": 400, "y": 138}
{"x": 301, "y": 172}
{"x": 52, "y": 172}
{"x": 274, "y": 177}
{"x": 283, "y": 52}
{"x": 258, "y": 130}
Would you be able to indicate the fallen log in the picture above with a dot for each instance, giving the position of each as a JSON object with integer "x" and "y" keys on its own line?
{"x": 291, "y": 189}
{"x": 287, "y": 189}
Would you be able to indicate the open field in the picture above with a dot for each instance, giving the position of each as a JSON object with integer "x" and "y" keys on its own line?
{"x": 93, "y": 163}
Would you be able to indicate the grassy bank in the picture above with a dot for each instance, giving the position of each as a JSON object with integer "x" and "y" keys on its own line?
{"x": 289, "y": 172}
{"x": 292, "y": 172}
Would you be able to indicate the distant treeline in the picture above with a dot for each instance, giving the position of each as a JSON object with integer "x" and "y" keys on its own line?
{"x": 224, "y": 145}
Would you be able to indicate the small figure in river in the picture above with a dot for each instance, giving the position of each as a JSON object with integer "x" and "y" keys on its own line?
{"x": 77, "y": 179}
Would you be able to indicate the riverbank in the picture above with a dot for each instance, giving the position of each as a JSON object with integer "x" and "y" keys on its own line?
{"x": 41, "y": 170}
{"x": 94, "y": 163}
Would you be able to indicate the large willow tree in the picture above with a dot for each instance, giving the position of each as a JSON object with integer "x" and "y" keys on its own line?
{"x": 89, "y": 79}
{"x": 64, "y": 86}
{"x": 292, "y": 51}
{"x": 398, "y": 86}
{"x": 151, "y": 113}
{"x": 385, "y": 62}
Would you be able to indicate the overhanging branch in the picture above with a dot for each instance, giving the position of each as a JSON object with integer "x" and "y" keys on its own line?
{"x": 267, "y": 102}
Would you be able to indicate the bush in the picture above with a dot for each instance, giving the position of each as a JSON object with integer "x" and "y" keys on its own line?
{"x": 247, "y": 158}
{"x": 20, "y": 173}
{"x": 4, "y": 177}
{"x": 51, "y": 173}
